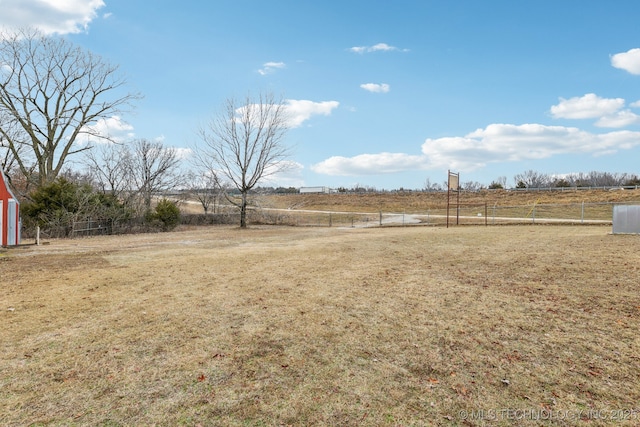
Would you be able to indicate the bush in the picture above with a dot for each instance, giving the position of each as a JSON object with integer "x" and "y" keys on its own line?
{"x": 166, "y": 215}
{"x": 55, "y": 206}
{"x": 562, "y": 183}
{"x": 634, "y": 181}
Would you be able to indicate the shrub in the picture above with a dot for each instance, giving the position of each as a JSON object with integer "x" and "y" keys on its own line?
{"x": 634, "y": 181}
{"x": 55, "y": 206}
{"x": 166, "y": 215}
{"x": 562, "y": 183}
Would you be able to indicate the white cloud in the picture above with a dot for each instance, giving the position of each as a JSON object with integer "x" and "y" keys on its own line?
{"x": 495, "y": 143}
{"x": 369, "y": 164}
{"x": 49, "y": 16}
{"x": 271, "y": 67}
{"x": 618, "y": 120}
{"x": 628, "y": 61}
{"x": 297, "y": 111}
{"x": 380, "y": 47}
{"x": 183, "y": 153}
{"x": 608, "y": 111}
{"x": 289, "y": 176}
{"x": 589, "y": 106}
{"x": 507, "y": 142}
{"x": 112, "y": 128}
{"x": 375, "y": 87}
{"x": 301, "y": 110}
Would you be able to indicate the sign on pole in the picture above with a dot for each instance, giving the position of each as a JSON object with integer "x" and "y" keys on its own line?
{"x": 454, "y": 181}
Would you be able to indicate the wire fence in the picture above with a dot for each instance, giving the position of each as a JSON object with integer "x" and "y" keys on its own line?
{"x": 468, "y": 214}
{"x": 464, "y": 214}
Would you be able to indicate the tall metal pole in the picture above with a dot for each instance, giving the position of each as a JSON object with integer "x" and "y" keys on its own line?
{"x": 448, "y": 194}
{"x": 458, "y": 203}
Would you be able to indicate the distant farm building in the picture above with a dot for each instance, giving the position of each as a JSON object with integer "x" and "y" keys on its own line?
{"x": 9, "y": 215}
{"x": 326, "y": 190}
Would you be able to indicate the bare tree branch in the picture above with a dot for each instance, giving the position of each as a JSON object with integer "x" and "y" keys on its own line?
{"x": 206, "y": 189}
{"x": 244, "y": 143}
{"x": 108, "y": 168}
{"x": 51, "y": 93}
{"x": 152, "y": 168}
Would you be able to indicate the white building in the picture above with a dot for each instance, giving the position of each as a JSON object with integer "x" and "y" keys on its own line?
{"x": 326, "y": 190}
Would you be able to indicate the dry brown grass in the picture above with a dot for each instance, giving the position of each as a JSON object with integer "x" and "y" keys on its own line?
{"x": 419, "y": 202}
{"x": 322, "y": 326}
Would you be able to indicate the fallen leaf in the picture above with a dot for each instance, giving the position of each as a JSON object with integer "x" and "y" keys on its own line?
{"x": 461, "y": 390}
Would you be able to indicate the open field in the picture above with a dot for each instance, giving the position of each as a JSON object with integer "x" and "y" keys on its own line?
{"x": 493, "y": 207}
{"x": 527, "y": 325}
{"x": 420, "y": 202}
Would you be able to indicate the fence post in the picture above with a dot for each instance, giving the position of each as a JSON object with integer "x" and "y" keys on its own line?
{"x": 330, "y": 219}
{"x": 494, "y": 213}
{"x": 582, "y": 214}
{"x": 486, "y": 223}
{"x": 380, "y": 218}
{"x": 533, "y": 214}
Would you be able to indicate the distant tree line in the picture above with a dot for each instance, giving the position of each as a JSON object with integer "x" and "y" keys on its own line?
{"x": 533, "y": 179}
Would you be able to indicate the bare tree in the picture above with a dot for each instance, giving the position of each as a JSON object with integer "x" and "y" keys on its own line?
{"x": 471, "y": 186}
{"x": 108, "y": 168}
{"x": 531, "y": 179}
{"x": 135, "y": 172}
{"x": 244, "y": 144}
{"x": 206, "y": 189}
{"x": 51, "y": 92}
{"x": 429, "y": 186}
{"x": 152, "y": 168}
{"x": 7, "y": 157}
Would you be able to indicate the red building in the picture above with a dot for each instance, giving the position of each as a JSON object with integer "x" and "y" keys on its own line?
{"x": 10, "y": 223}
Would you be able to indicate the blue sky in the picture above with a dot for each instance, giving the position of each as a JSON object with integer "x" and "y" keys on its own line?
{"x": 384, "y": 94}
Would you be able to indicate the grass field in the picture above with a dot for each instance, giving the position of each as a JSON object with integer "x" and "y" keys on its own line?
{"x": 269, "y": 326}
{"x": 420, "y": 202}
{"x": 495, "y": 206}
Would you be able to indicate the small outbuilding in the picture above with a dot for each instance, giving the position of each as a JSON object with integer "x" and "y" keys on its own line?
{"x": 626, "y": 219}
{"x": 10, "y": 223}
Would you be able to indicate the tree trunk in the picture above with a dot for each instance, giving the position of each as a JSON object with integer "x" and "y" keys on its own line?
{"x": 243, "y": 211}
